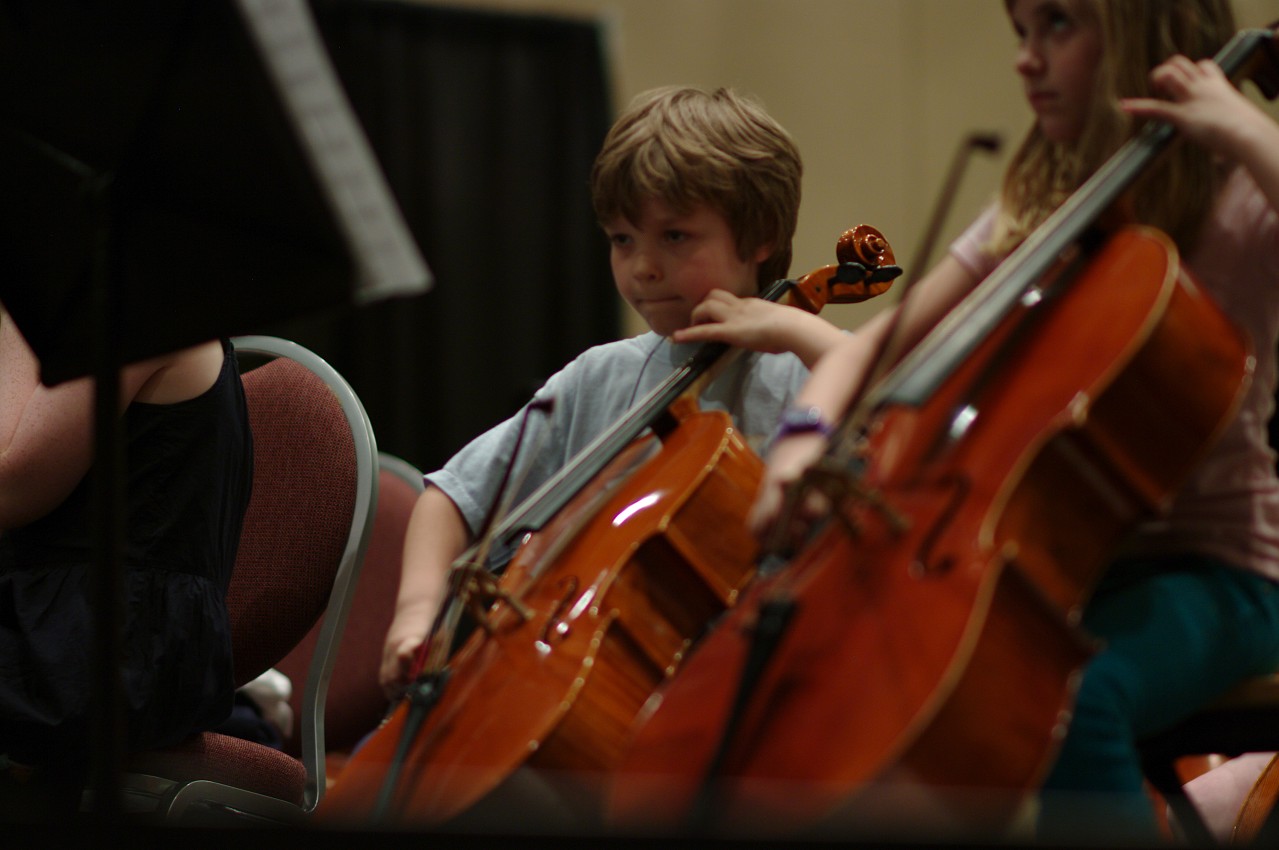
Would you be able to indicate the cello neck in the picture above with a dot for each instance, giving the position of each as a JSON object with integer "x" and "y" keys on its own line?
{"x": 928, "y": 365}
{"x": 547, "y": 501}
{"x": 865, "y": 270}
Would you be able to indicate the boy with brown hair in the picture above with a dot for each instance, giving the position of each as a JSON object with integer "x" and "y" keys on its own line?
{"x": 698, "y": 194}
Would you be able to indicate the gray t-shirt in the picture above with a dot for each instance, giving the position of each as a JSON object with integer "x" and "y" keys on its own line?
{"x": 590, "y": 395}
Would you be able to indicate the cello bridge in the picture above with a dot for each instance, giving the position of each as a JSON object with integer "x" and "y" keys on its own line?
{"x": 832, "y": 480}
{"x": 479, "y": 590}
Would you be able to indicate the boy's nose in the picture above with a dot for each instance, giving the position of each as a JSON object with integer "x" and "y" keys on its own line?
{"x": 646, "y": 268}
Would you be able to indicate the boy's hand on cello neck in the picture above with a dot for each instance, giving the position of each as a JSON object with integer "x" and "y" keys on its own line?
{"x": 759, "y": 325}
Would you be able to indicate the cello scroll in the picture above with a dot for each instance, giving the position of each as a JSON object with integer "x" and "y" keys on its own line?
{"x": 866, "y": 268}
{"x": 626, "y": 555}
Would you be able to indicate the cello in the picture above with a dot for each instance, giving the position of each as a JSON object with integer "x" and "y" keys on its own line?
{"x": 1255, "y": 821}
{"x": 623, "y": 557}
{"x": 920, "y": 653}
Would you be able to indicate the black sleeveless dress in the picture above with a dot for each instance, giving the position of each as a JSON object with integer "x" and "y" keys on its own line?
{"x": 190, "y": 468}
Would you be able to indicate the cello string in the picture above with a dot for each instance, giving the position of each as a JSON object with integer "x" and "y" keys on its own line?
{"x": 423, "y": 697}
{"x": 505, "y": 489}
{"x": 776, "y": 612}
{"x": 964, "y": 327}
{"x": 428, "y": 684}
{"x": 444, "y": 628}
{"x": 854, "y": 424}
{"x": 845, "y": 442}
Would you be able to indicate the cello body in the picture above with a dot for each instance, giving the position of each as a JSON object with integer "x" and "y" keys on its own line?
{"x": 932, "y": 649}
{"x": 615, "y": 590}
{"x": 624, "y": 557}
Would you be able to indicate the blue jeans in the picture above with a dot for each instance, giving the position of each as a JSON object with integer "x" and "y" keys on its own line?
{"x": 1177, "y": 633}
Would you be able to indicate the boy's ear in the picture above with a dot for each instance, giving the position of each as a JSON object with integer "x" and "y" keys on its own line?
{"x": 762, "y": 253}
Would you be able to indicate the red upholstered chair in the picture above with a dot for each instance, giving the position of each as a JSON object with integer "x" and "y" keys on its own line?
{"x": 356, "y": 703}
{"x": 305, "y": 533}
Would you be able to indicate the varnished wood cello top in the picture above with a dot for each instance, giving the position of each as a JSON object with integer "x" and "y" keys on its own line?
{"x": 626, "y": 554}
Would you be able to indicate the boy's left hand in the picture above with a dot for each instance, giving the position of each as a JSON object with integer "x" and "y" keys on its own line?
{"x": 748, "y": 322}
{"x": 759, "y": 325}
{"x": 743, "y": 322}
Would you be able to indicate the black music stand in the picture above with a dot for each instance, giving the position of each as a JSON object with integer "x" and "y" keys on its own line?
{"x": 175, "y": 171}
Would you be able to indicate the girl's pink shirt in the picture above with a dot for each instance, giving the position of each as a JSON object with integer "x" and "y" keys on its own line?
{"x": 1229, "y": 509}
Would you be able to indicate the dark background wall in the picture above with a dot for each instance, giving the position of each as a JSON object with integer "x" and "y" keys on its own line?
{"x": 486, "y": 126}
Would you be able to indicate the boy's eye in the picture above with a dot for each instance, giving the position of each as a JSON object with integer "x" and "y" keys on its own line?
{"x": 619, "y": 239}
{"x": 675, "y": 236}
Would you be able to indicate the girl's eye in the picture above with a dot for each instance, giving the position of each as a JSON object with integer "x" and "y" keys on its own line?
{"x": 1048, "y": 19}
{"x": 1059, "y": 21}
{"x": 1056, "y": 18}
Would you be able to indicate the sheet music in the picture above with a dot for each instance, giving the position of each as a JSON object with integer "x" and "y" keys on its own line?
{"x": 386, "y": 256}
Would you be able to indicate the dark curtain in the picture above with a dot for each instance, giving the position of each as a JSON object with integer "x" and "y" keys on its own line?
{"x": 486, "y": 126}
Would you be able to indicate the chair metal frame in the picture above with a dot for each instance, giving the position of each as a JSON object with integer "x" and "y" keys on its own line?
{"x": 403, "y": 469}
{"x": 178, "y": 799}
{"x": 393, "y": 471}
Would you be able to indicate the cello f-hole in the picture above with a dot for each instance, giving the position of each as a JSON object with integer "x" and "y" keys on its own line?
{"x": 926, "y": 562}
{"x": 556, "y": 624}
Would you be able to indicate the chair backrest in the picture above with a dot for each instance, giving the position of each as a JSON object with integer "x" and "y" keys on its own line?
{"x": 355, "y": 700}
{"x": 307, "y": 525}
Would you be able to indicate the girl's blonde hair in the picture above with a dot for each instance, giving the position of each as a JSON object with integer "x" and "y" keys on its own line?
{"x": 684, "y": 147}
{"x": 1175, "y": 194}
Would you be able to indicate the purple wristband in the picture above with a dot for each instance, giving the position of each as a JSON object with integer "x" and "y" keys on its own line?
{"x": 802, "y": 420}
